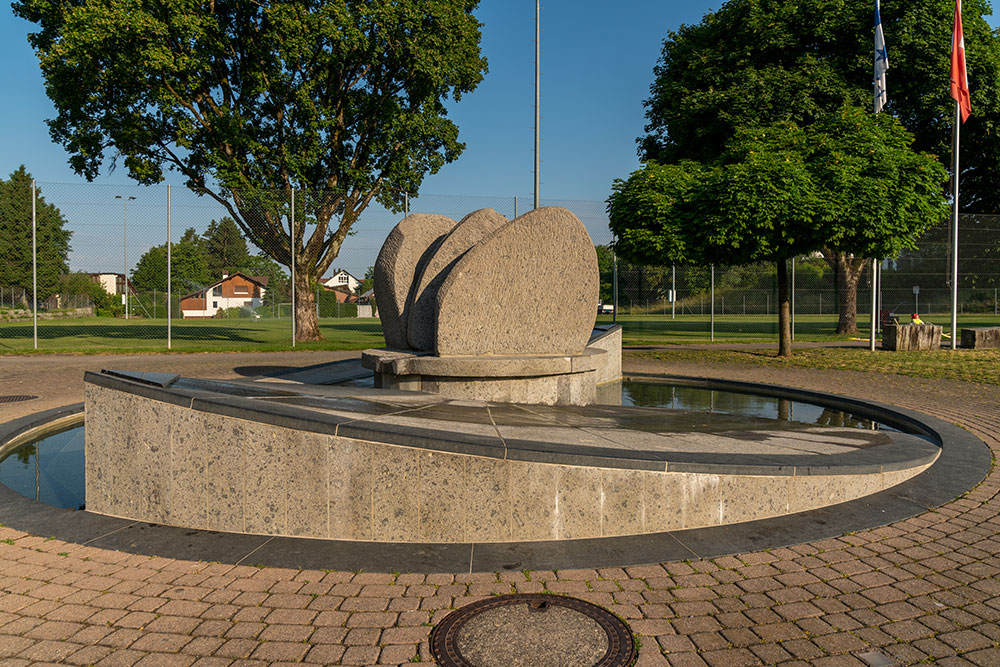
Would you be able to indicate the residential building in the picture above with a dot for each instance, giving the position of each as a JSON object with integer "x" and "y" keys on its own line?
{"x": 233, "y": 291}
{"x": 342, "y": 278}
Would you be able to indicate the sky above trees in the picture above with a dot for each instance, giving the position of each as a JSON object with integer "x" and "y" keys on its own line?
{"x": 597, "y": 65}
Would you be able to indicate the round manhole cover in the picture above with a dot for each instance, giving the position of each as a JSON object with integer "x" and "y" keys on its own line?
{"x": 530, "y": 629}
{"x": 16, "y": 399}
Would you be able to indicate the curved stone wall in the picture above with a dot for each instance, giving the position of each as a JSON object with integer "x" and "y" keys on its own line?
{"x": 164, "y": 461}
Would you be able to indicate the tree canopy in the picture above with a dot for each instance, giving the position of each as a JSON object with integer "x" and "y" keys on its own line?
{"x": 778, "y": 191}
{"x": 52, "y": 241}
{"x": 341, "y": 99}
{"x": 758, "y": 62}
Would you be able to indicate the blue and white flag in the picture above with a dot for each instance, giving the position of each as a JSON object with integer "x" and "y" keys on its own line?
{"x": 881, "y": 62}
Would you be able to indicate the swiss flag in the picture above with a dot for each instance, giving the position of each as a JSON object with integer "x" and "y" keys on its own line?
{"x": 959, "y": 78}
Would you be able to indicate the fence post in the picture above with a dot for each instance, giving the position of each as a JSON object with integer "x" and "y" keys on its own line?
{"x": 874, "y": 322}
{"x": 170, "y": 292}
{"x": 34, "y": 265}
{"x": 792, "y": 314}
{"x": 673, "y": 291}
{"x": 712, "y": 306}
{"x": 515, "y": 206}
{"x": 614, "y": 279}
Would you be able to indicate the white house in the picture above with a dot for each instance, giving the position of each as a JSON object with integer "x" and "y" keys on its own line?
{"x": 233, "y": 291}
{"x": 342, "y": 278}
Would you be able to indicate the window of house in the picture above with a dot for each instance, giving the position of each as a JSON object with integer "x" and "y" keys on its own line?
{"x": 215, "y": 304}
{"x": 341, "y": 279}
{"x": 241, "y": 289}
{"x": 217, "y": 290}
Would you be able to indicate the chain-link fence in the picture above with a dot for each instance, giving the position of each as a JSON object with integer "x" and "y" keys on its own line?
{"x": 100, "y": 265}
{"x": 665, "y": 304}
{"x": 95, "y": 273}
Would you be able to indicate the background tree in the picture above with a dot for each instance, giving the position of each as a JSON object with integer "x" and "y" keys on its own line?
{"x": 339, "y": 100}
{"x": 105, "y": 303}
{"x": 759, "y": 62}
{"x": 225, "y": 247}
{"x": 780, "y": 191}
{"x": 189, "y": 271}
{"x": 51, "y": 240}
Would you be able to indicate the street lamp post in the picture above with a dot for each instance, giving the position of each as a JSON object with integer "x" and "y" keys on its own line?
{"x": 125, "y": 201}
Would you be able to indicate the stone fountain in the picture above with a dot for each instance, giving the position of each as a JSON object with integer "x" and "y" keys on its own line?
{"x": 493, "y": 309}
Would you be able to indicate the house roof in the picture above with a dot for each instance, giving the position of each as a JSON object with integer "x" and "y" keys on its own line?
{"x": 259, "y": 280}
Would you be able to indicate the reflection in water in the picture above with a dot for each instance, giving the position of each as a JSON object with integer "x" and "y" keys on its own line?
{"x": 657, "y": 395}
{"x": 50, "y": 471}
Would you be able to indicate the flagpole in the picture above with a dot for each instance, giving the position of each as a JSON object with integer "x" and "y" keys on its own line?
{"x": 954, "y": 226}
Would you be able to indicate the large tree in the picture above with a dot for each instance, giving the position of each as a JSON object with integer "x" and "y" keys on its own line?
{"x": 340, "y": 101}
{"x": 51, "y": 240}
{"x": 759, "y": 62}
{"x": 780, "y": 191}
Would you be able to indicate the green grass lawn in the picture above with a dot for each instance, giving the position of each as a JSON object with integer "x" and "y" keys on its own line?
{"x": 660, "y": 329}
{"x": 965, "y": 365}
{"x": 96, "y": 335}
{"x": 102, "y": 335}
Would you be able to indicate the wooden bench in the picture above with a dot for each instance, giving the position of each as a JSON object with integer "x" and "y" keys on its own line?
{"x": 981, "y": 339}
{"x": 908, "y": 337}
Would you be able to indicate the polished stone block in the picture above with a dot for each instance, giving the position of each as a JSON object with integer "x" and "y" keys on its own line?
{"x": 395, "y": 494}
{"x": 443, "y": 491}
{"x": 350, "y": 500}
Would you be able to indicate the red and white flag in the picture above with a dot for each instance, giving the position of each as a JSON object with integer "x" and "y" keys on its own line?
{"x": 959, "y": 78}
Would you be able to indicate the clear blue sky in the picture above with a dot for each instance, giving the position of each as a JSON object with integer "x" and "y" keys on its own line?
{"x": 597, "y": 64}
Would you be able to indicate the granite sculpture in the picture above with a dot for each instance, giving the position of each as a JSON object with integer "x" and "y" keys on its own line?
{"x": 492, "y": 308}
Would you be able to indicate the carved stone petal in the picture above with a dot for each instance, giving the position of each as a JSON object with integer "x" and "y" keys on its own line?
{"x": 414, "y": 237}
{"x": 530, "y": 288}
{"x": 473, "y": 228}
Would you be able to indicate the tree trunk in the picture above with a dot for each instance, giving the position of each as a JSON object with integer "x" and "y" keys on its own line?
{"x": 306, "y": 323}
{"x": 848, "y": 270}
{"x": 784, "y": 311}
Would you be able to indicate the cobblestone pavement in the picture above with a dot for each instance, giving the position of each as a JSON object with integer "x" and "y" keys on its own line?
{"x": 923, "y": 589}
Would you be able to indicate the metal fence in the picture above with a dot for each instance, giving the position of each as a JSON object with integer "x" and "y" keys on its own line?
{"x": 105, "y": 283}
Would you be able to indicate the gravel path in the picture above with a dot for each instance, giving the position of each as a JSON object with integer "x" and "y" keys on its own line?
{"x": 923, "y": 589}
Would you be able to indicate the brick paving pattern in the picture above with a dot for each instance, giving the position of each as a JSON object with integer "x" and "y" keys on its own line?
{"x": 923, "y": 589}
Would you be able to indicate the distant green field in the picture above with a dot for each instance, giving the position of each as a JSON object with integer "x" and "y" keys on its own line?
{"x": 660, "y": 329}
{"x": 102, "y": 335}
{"x": 99, "y": 335}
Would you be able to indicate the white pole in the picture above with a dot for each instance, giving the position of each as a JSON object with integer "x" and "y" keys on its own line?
{"x": 874, "y": 320}
{"x": 673, "y": 291}
{"x": 712, "y": 307}
{"x": 291, "y": 227}
{"x": 538, "y": 79}
{"x": 169, "y": 287}
{"x": 954, "y": 228}
{"x": 792, "y": 318}
{"x": 34, "y": 264}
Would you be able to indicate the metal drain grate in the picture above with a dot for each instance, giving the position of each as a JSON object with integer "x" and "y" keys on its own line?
{"x": 16, "y": 399}
{"x": 500, "y": 631}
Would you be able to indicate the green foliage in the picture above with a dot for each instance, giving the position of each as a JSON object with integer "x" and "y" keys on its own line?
{"x": 848, "y": 181}
{"x": 341, "y": 100}
{"x": 105, "y": 304}
{"x": 52, "y": 241}
{"x": 760, "y": 62}
{"x": 225, "y": 247}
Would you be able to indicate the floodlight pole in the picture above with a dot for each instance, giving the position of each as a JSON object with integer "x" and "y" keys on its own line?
{"x": 125, "y": 201}
{"x": 34, "y": 267}
{"x": 538, "y": 78}
{"x": 170, "y": 291}
{"x": 954, "y": 227}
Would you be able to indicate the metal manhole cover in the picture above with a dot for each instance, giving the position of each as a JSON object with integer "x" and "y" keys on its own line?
{"x": 16, "y": 399}
{"x": 528, "y": 629}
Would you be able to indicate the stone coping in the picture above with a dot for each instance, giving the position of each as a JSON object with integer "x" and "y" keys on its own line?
{"x": 400, "y": 362}
{"x": 362, "y": 413}
{"x": 963, "y": 463}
